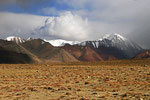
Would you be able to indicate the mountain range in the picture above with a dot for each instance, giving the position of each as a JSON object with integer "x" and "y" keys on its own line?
{"x": 109, "y": 47}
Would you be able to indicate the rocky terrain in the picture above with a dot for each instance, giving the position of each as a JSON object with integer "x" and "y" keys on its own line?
{"x": 143, "y": 55}
{"x": 106, "y": 80}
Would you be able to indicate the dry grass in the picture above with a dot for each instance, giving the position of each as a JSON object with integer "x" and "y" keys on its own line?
{"x": 111, "y": 80}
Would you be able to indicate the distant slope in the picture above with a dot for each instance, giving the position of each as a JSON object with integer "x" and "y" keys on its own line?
{"x": 11, "y": 57}
{"x": 145, "y": 54}
{"x": 46, "y": 52}
{"x": 86, "y": 53}
{"x": 10, "y": 52}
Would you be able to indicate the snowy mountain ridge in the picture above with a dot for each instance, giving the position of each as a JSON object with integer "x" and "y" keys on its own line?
{"x": 15, "y": 39}
{"x": 117, "y": 42}
{"x": 109, "y": 40}
{"x": 110, "y": 43}
{"x": 60, "y": 42}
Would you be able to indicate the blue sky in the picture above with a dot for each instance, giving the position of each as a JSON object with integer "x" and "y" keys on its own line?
{"x": 34, "y": 7}
{"x": 76, "y": 20}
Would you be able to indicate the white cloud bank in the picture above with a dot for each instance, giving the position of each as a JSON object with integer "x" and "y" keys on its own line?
{"x": 66, "y": 26}
{"x": 131, "y": 17}
{"x": 19, "y": 24}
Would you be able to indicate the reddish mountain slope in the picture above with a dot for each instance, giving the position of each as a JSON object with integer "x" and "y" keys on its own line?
{"x": 145, "y": 54}
{"x": 89, "y": 54}
{"x": 83, "y": 53}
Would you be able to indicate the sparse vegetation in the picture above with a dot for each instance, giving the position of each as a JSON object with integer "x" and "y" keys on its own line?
{"x": 111, "y": 80}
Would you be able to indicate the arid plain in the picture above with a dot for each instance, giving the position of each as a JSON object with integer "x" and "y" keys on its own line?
{"x": 106, "y": 80}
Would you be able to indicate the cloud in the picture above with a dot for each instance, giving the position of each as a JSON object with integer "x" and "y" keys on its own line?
{"x": 19, "y": 24}
{"x": 130, "y": 17}
{"x": 141, "y": 31}
{"x": 67, "y": 26}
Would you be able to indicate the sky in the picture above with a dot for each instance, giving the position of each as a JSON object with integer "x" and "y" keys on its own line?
{"x": 76, "y": 19}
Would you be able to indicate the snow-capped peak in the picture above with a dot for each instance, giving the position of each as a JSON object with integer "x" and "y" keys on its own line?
{"x": 106, "y": 36}
{"x": 15, "y": 39}
{"x": 119, "y": 37}
{"x": 60, "y": 42}
{"x": 114, "y": 36}
{"x": 115, "y": 41}
{"x": 29, "y": 38}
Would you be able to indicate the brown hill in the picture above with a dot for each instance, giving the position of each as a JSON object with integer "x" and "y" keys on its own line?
{"x": 46, "y": 52}
{"x": 108, "y": 53}
{"x": 83, "y": 53}
{"x": 10, "y": 52}
{"x": 145, "y": 54}
{"x": 89, "y": 54}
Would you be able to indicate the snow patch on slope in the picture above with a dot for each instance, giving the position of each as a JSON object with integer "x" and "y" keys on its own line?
{"x": 60, "y": 42}
{"x": 15, "y": 39}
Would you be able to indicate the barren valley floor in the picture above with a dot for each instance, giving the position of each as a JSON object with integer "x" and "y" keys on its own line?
{"x": 110, "y": 80}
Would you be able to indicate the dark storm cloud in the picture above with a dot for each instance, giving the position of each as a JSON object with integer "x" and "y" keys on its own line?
{"x": 130, "y": 17}
{"x": 141, "y": 31}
